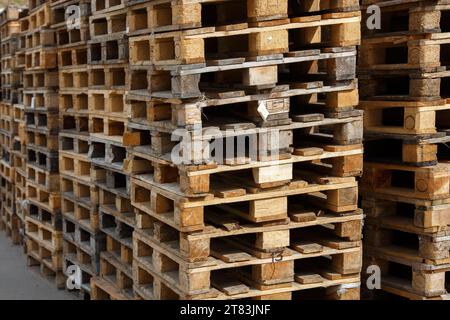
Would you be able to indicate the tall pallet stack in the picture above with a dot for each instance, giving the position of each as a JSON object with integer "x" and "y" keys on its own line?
{"x": 10, "y": 81}
{"x": 108, "y": 70}
{"x": 78, "y": 195}
{"x": 275, "y": 216}
{"x": 19, "y": 143}
{"x": 43, "y": 225}
{"x": 405, "y": 188}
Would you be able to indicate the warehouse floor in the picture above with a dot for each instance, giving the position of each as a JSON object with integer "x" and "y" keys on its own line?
{"x": 18, "y": 282}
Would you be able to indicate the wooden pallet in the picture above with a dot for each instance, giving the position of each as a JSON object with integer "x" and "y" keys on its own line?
{"x": 39, "y": 16}
{"x": 39, "y": 59}
{"x": 73, "y": 79}
{"x": 75, "y": 165}
{"x": 242, "y": 107}
{"x": 409, "y": 17}
{"x": 193, "y": 284}
{"x": 43, "y": 178}
{"x": 58, "y": 10}
{"x": 12, "y": 13}
{"x": 108, "y": 77}
{"x": 7, "y": 129}
{"x": 236, "y": 77}
{"x": 107, "y": 103}
{"x": 413, "y": 52}
{"x": 336, "y": 161}
{"x": 41, "y": 197}
{"x": 100, "y": 6}
{"x": 193, "y": 147}
{"x": 117, "y": 272}
{"x": 6, "y": 170}
{"x": 45, "y": 235}
{"x": 50, "y": 263}
{"x": 74, "y": 123}
{"x": 77, "y": 210}
{"x": 74, "y": 56}
{"x": 103, "y": 290}
{"x": 418, "y": 182}
{"x": 9, "y": 29}
{"x": 426, "y": 217}
{"x": 422, "y": 150}
{"x": 83, "y": 236}
{"x": 49, "y": 219}
{"x": 41, "y": 157}
{"x": 404, "y": 274}
{"x": 20, "y": 189}
{"x": 170, "y": 206}
{"x": 84, "y": 292}
{"x": 189, "y": 15}
{"x": 107, "y": 153}
{"x": 8, "y": 214}
{"x": 72, "y": 37}
{"x": 40, "y": 79}
{"x": 405, "y": 85}
{"x": 157, "y": 278}
{"x": 192, "y": 43}
{"x": 228, "y": 240}
{"x": 12, "y": 227}
{"x": 116, "y": 260}
{"x": 109, "y": 128}
{"x": 400, "y": 232}
{"x": 104, "y": 26}
{"x": 41, "y": 38}
{"x": 40, "y": 100}
{"x": 108, "y": 52}
{"x": 413, "y": 118}
{"x": 74, "y": 143}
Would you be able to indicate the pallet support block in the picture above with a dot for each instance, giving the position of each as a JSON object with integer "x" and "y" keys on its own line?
{"x": 268, "y": 42}
{"x": 268, "y": 209}
{"x": 259, "y": 76}
{"x": 413, "y": 153}
{"x": 424, "y": 21}
{"x": 261, "y": 10}
{"x": 194, "y": 250}
{"x": 275, "y": 173}
{"x": 429, "y": 284}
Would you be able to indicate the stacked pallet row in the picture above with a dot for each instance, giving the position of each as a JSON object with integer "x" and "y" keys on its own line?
{"x": 108, "y": 73}
{"x": 10, "y": 81}
{"x": 43, "y": 225}
{"x": 273, "y": 216}
{"x": 70, "y": 21}
{"x": 19, "y": 143}
{"x": 404, "y": 72}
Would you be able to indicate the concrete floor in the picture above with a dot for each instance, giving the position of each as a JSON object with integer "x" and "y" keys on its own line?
{"x": 18, "y": 282}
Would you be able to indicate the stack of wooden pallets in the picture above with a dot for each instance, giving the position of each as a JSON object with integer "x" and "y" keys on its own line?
{"x": 275, "y": 215}
{"x": 404, "y": 92}
{"x": 108, "y": 69}
{"x": 19, "y": 143}
{"x": 10, "y": 128}
{"x": 78, "y": 194}
{"x": 43, "y": 225}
